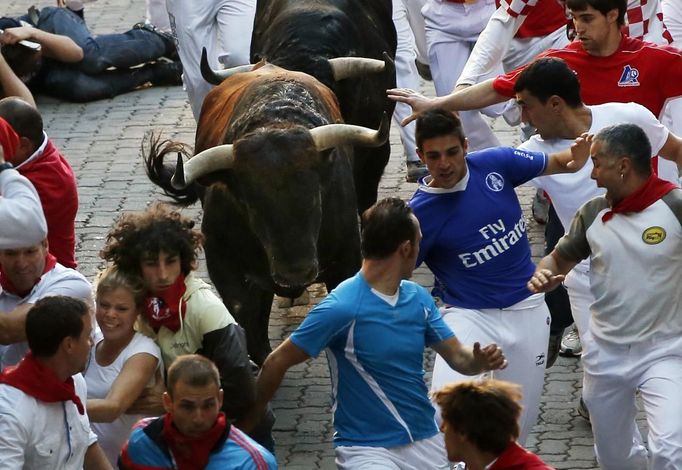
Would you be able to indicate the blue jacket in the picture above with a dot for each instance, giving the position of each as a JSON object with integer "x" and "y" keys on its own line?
{"x": 146, "y": 449}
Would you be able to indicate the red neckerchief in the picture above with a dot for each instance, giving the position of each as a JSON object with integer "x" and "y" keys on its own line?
{"x": 7, "y": 286}
{"x": 8, "y": 139}
{"x": 650, "y": 192}
{"x": 516, "y": 457}
{"x": 36, "y": 380}
{"x": 191, "y": 453}
{"x": 162, "y": 309}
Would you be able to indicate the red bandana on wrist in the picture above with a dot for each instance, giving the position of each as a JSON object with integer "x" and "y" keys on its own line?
{"x": 167, "y": 308}
{"x": 191, "y": 453}
{"x": 8, "y": 139}
{"x": 7, "y": 286}
{"x": 650, "y": 192}
{"x": 36, "y": 380}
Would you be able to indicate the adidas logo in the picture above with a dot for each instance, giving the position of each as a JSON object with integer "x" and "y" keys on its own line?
{"x": 629, "y": 77}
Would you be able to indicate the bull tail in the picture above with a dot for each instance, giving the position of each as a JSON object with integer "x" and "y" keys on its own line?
{"x": 154, "y": 150}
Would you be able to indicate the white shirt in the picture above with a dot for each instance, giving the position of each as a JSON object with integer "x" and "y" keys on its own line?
{"x": 112, "y": 436}
{"x": 37, "y": 435}
{"x": 59, "y": 280}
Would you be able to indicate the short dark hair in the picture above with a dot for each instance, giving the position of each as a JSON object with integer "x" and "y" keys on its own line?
{"x": 194, "y": 370}
{"x": 138, "y": 235}
{"x": 436, "y": 123}
{"x": 603, "y": 6}
{"x": 548, "y": 77}
{"x": 51, "y": 320}
{"x": 629, "y": 141}
{"x": 486, "y": 412}
{"x": 386, "y": 225}
{"x": 24, "y": 118}
{"x": 24, "y": 62}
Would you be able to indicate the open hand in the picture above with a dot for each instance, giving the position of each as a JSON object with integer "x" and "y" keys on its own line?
{"x": 489, "y": 357}
{"x": 580, "y": 152}
{"x": 544, "y": 280}
{"x": 417, "y": 102}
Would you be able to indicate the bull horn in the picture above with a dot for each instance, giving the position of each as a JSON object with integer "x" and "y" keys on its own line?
{"x": 216, "y": 77}
{"x": 333, "y": 135}
{"x": 210, "y": 160}
{"x": 351, "y": 67}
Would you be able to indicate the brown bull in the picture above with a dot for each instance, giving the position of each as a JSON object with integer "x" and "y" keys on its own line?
{"x": 274, "y": 172}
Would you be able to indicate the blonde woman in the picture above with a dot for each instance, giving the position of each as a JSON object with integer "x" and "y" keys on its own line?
{"x": 122, "y": 361}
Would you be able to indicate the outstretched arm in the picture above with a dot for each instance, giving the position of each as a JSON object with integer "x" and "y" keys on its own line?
{"x": 54, "y": 46}
{"x": 474, "y": 97}
{"x": 572, "y": 159}
{"x": 270, "y": 377}
{"x": 492, "y": 44}
{"x": 470, "y": 360}
{"x": 672, "y": 149}
{"x": 136, "y": 373}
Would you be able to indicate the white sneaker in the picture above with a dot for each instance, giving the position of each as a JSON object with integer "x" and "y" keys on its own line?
{"x": 570, "y": 344}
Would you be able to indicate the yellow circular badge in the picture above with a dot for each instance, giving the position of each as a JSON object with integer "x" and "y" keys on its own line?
{"x": 653, "y": 235}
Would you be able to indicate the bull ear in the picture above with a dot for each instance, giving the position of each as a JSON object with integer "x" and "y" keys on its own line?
{"x": 216, "y": 77}
{"x": 333, "y": 135}
{"x": 351, "y": 67}
{"x": 206, "y": 162}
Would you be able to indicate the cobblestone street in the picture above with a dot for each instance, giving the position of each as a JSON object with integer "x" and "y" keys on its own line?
{"x": 102, "y": 142}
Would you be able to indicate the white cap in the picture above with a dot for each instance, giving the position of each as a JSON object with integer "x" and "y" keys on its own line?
{"x": 22, "y": 223}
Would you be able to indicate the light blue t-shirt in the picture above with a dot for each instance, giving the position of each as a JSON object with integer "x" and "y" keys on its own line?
{"x": 474, "y": 235}
{"x": 375, "y": 353}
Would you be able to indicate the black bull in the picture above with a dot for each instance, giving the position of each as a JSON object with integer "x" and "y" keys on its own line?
{"x": 302, "y": 35}
{"x": 279, "y": 204}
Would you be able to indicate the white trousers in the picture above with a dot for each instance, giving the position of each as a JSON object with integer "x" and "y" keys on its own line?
{"x": 613, "y": 374}
{"x": 414, "y": 16}
{"x": 451, "y": 32}
{"x": 425, "y": 454}
{"x": 157, "y": 14}
{"x": 672, "y": 17}
{"x": 224, "y": 27}
{"x": 523, "y": 50}
{"x": 522, "y": 331}
{"x": 580, "y": 296}
{"x": 406, "y": 76}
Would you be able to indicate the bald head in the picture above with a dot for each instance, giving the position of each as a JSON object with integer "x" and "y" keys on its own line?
{"x": 24, "y": 118}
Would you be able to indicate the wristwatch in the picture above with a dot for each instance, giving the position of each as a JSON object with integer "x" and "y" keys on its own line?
{"x": 4, "y": 166}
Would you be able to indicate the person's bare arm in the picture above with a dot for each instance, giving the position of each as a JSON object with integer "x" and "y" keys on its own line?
{"x": 470, "y": 360}
{"x": 12, "y": 85}
{"x": 54, "y": 46}
{"x": 572, "y": 159}
{"x": 95, "y": 459}
{"x": 550, "y": 272}
{"x": 13, "y": 325}
{"x": 270, "y": 377}
{"x": 472, "y": 97}
{"x": 134, "y": 377}
{"x": 672, "y": 149}
{"x": 149, "y": 401}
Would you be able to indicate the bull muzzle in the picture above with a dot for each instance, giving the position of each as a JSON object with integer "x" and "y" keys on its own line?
{"x": 221, "y": 158}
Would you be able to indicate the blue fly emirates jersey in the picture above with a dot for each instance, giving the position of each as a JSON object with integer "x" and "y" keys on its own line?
{"x": 375, "y": 351}
{"x": 474, "y": 234}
